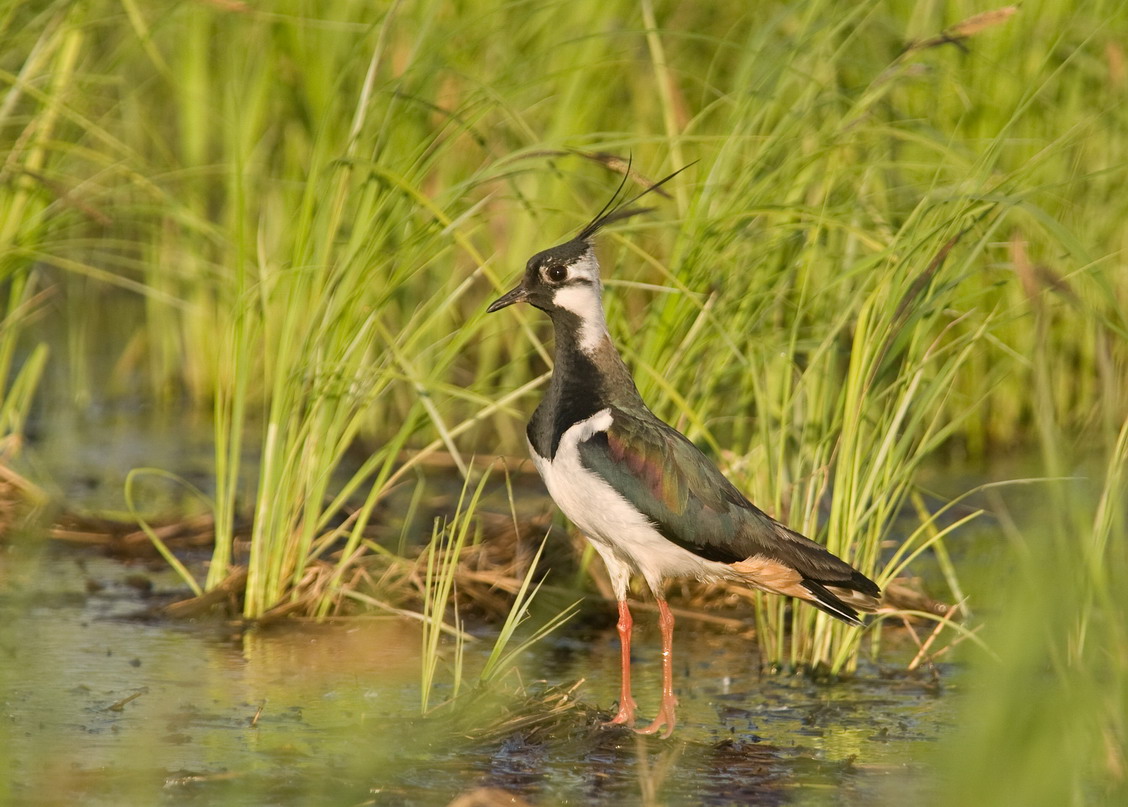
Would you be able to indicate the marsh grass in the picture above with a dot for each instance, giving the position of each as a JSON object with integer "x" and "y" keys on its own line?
{"x": 444, "y": 556}
{"x": 24, "y": 220}
{"x": 884, "y": 249}
{"x": 1046, "y": 722}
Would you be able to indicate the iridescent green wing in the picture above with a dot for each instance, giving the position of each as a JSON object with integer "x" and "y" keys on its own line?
{"x": 673, "y": 484}
{"x": 691, "y": 503}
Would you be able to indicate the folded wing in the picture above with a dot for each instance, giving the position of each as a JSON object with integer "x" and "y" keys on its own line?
{"x": 692, "y": 504}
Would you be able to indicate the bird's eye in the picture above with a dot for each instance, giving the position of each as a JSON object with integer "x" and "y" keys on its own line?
{"x": 556, "y": 273}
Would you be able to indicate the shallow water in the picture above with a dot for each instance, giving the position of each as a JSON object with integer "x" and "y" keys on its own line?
{"x": 104, "y": 705}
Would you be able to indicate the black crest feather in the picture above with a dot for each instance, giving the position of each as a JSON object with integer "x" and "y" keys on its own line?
{"x": 612, "y": 212}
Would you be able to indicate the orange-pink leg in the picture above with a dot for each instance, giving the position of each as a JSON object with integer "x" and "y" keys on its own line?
{"x": 626, "y": 712}
{"x": 666, "y": 712}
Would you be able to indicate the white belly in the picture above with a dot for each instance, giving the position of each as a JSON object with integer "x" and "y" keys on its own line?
{"x": 625, "y": 539}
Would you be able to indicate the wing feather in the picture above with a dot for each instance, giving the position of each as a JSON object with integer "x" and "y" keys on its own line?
{"x": 692, "y": 504}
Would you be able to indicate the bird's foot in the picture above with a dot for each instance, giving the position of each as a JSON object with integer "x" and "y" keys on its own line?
{"x": 666, "y": 719}
{"x": 625, "y": 716}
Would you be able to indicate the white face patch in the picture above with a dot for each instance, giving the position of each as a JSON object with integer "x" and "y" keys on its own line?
{"x": 583, "y": 299}
{"x": 586, "y": 268}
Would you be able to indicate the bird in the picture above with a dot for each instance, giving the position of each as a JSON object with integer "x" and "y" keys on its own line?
{"x": 649, "y": 501}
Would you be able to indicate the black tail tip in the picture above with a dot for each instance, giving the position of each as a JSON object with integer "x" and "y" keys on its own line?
{"x": 829, "y": 603}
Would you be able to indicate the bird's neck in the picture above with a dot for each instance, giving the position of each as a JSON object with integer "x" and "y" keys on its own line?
{"x": 588, "y": 375}
{"x": 586, "y": 359}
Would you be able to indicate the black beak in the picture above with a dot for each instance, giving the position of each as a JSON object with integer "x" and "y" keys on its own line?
{"x": 517, "y": 295}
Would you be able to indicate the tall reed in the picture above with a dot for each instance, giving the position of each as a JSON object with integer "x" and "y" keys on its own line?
{"x": 29, "y": 215}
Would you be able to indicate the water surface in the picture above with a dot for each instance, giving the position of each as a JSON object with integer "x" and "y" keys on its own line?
{"x": 107, "y": 705}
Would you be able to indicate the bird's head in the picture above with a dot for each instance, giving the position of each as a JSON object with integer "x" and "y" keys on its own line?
{"x": 566, "y": 276}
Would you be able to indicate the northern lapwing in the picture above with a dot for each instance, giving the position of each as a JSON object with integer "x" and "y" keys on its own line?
{"x": 648, "y": 500}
